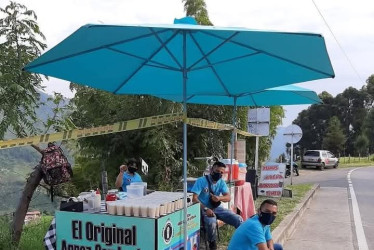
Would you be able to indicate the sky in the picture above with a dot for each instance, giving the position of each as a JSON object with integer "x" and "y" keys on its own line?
{"x": 351, "y": 22}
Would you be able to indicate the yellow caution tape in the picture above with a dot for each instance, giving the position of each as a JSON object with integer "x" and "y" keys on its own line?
{"x": 241, "y": 132}
{"x": 140, "y": 123}
{"x": 202, "y": 123}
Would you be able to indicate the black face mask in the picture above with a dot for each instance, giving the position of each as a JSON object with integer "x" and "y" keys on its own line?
{"x": 266, "y": 218}
{"x": 216, "y": 176}
{"x": 132, "y": 169}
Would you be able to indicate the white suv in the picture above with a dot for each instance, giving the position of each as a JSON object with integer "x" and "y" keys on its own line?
{"x": 319, "y": 158}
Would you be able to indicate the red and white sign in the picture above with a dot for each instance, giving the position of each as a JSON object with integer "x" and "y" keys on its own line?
{"x": 272, "y": 179}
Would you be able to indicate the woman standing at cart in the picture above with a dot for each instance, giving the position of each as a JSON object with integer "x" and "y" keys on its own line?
{"x": 127, "y": 175}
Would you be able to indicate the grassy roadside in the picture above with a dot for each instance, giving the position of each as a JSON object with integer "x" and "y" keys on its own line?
{"x": 32, "y": 236}
{"x": 285, "y": 206}
{"x": 355, "y": 164}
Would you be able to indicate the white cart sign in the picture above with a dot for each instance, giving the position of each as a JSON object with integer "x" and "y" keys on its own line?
{"x": 272, "y": 179}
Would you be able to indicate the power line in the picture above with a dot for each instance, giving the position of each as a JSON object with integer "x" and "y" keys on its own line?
{"x": 336, "y": 40}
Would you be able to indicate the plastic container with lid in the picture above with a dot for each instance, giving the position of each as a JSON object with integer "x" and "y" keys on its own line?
{"x": 143, "y": 184}
{"x": 111, "y": 196}
{"x": 134, "y": 191}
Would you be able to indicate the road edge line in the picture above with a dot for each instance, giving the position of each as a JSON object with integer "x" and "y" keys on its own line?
{"x": 360, "y": 233}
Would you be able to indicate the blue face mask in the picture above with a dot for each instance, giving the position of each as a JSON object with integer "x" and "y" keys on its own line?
{"x": 266, "y": 218}
{"x": 216, "y": 176}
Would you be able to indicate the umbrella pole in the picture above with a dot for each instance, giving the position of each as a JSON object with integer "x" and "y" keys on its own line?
{"x": 185, "y": 142}
{"x": 256, "y": 152}
{"x": 233, "y": 135}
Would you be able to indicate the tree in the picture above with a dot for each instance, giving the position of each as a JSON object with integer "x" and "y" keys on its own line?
{"x": 334, "y": 139}
{"x": 361, "y": 144}
{"x": 351, "y": 111}
{"x": 20, "y": 38}
{"x": 20, "y": 43}
{"x": 370, "y": 89}
{"x": 197, "y": 9}
{"x": 368, "y": 129}
{"x": 314, "y": 121}
{"x": 160, "y": 146}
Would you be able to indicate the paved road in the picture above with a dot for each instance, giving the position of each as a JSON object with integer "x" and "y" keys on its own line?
{"x": 363, "y": 184}
{"x": 326, "y": 223}
{"x": 328, "y": 178}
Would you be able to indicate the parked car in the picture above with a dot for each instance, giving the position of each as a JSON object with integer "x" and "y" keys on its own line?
{"x": 319, "y": 159}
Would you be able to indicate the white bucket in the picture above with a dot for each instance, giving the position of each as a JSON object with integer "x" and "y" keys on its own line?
{"x": 144, "y": 184}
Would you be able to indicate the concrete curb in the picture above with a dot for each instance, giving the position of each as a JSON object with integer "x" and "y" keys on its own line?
{"x": 286, "y": 228}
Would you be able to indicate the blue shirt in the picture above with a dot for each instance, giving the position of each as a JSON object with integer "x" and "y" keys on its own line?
{"x": 249, "y": 234}
{"x": 201, "y": 188}
{"x": 127, "y": 179}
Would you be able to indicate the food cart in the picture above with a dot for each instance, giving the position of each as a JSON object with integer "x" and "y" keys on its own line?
{"x": 103, "y": 231}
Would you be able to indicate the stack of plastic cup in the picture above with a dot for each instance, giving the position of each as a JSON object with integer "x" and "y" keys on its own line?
{"x": 144, "y": 210}
{"x": 111, "y": 207}
{"x": 119, "y": 207}
{"x": 128, "y": 208}
{"x": 136, "y": 209}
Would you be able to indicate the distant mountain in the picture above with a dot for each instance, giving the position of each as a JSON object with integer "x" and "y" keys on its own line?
{"x": 16, "y": 164}
{"x": 278, "y": 145}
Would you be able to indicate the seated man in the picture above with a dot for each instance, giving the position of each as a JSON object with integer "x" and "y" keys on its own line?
{"x": 210, "y": 214}
{"x": 254, "y": 234}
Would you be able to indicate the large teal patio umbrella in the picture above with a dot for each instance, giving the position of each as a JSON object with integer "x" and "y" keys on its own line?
{"x": 184, "y": 59}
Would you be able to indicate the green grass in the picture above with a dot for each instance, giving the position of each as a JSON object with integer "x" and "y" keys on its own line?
{"x": 285, "y": 207}
{"x": 347, "y": 162}
{"x": 5, "y": 237}
{"x": 32, "y": 236}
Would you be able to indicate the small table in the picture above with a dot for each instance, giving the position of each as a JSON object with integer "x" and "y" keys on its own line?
{"x": 244, "y": 200}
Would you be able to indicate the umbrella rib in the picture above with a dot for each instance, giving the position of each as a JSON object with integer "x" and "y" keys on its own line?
{"x": 213, "y": 50}
{"x": 225, "y": 61}
{"x": 254, "y": 92}
{"x": 211, "y": 66}
{"x": 161, "y": 65}
{"x": 253, "y": 100}
{"x": 190, "y": 97}
{"x": 166, "y": 48}
{"x": 269, "y": 54}
{"x": 90, "y": 50}
{"x": 145, "y": 62}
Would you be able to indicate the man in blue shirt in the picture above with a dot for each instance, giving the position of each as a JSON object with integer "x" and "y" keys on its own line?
{"x": 254, "y": 234}
{"x": 207, "y": 190}
{"x": 127, "y": 174}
